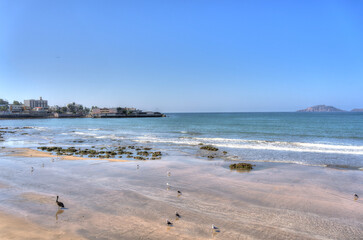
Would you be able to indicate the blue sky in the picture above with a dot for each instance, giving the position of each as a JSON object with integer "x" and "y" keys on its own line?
{"x": 184, "y": 56}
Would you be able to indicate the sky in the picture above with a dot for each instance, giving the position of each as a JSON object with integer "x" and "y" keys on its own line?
{"x": 183, "y": 56}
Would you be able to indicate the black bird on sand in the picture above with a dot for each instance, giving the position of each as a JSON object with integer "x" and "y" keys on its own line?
{"x": 169, "y": 223}
{"x": 60, "y": 204}
{"x": 356, "y": 196}
{"x": 177, "y": 215}
{"x": 179, "y": 192}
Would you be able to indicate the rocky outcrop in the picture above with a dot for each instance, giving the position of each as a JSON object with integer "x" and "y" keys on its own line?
{"x": 321, "y": 108}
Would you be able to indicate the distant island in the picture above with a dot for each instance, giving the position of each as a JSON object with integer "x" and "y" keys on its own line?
{"x": 324, "y": 108}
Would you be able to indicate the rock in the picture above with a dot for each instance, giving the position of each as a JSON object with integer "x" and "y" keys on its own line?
{"x": 209, "y": 148}
{"x": 241, "y": 166}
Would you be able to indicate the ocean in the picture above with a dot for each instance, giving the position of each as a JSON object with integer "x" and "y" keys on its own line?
{"x": 318, "y": 139}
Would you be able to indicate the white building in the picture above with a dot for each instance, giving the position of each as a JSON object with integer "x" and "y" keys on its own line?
{"x": 16, "y": 108}
{"x": 32, "y": 103}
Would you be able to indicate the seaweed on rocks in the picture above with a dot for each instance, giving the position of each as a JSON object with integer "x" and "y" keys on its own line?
{"x": 209, "y": 148}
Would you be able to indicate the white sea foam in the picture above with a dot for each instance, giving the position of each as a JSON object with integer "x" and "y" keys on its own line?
{"x": 86, "y": 134}
{"x": 109, "y": 137}
{"x": 41, "y": 128}
{"x": 261, "y": 145}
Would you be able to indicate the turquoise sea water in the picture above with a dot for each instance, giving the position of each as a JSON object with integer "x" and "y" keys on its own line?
{"x": 334, "y": 139}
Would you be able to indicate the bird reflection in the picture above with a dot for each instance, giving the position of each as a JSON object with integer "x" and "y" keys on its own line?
{"x": 60, "y": 211}
{"x": 214, "y": 233}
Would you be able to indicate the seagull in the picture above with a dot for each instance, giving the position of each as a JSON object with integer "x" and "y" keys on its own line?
{"x": 167, "y": 184}
{"x": 177, "y": 215}
{"x": 169, "y": 223}
{"x": 356, "y": 196}
{"x": 214, "y": 227}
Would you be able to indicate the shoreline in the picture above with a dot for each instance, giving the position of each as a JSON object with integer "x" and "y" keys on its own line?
{"x": 28, "y": 152}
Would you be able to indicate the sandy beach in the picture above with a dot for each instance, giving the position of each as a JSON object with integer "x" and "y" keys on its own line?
{"x": 18, "y": 228}
{"x": 28, "y": 152}
{"x": 118, "y": 200}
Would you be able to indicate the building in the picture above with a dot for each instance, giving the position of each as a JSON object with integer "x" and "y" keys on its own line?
{"x": 32, "y": 103}
{"x": 122, "y": 113}
{"x": 16, "y": 108}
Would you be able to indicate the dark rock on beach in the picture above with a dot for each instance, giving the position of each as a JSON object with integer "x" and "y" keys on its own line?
{"x": 241, "y": 166}
{"x": 209, "y": 148}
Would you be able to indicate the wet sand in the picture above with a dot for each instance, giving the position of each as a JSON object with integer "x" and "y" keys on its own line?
{"x": 112, "y": 200}
{"x": 18, "y": 228}
{"x": 28, "y": 152}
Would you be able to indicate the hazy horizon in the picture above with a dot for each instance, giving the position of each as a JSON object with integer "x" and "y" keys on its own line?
{"x": 183, "y": 56}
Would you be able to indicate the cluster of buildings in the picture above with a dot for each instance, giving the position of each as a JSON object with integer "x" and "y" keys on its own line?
{"x": 30, "y": 106}
{"x": 39, "y": 109}
{"x": 122, "y": 112}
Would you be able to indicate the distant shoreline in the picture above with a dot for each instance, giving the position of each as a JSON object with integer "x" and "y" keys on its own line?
{"x": 12, "y": 117}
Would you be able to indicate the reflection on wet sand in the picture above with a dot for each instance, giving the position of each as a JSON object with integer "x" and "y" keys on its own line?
{"x": 59, "y": 212}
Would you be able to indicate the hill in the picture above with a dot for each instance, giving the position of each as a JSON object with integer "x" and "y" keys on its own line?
{"x": 321, "y": 108}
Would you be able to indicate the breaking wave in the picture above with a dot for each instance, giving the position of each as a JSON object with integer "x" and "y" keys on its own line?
{"x": 260, "y": 145}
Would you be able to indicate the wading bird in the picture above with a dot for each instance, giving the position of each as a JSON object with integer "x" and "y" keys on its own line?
{"x": 60, "y": 204}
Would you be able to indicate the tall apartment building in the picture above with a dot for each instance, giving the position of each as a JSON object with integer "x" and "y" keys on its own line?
{"x": 32, "y": 103}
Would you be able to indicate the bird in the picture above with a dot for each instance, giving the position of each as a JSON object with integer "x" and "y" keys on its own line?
{"x": 169, "y": 173}
{"x": 60, "y": 204}
{"x": 137, "y": 166}
{"x": 167, "y": 184}
{"x": 356, "y": 196}
{"x": 169, "y": 223}
{"x": 177, "y": 215}
{"x": 179, "y": 192}
{"x": 214, "y": 227}
{"x": 32, "y": 170}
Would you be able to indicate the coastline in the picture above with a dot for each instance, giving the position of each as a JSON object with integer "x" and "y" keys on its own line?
{"x": 28, "y": 152}
{"x": 289, "y": 194}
